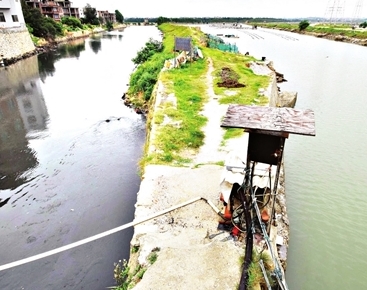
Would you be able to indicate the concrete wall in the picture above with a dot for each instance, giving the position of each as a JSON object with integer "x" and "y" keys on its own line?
{"x": 280, "y": 99}
{"x": 272, "y": 91}
{"x": 15, "y": 43}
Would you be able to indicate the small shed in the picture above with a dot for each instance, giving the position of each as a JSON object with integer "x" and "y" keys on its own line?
{"x": 268, "y": 128}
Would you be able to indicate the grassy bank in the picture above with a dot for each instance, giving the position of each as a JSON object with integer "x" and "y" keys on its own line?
{"x": 188, "y": 84}
{"x": 321, "y": 29}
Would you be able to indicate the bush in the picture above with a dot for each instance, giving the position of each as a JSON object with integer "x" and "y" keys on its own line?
{"x": 143, "y": 80}
{"x": 72, "y": 22}
{"x": 303, "y": 25}
{"x": 151, "y": 47}
{"x": 363, "y": 25}
{"x": 109, "y": 25}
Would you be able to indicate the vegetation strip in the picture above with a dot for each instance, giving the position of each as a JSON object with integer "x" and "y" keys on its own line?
{"x": 189, "y": 87}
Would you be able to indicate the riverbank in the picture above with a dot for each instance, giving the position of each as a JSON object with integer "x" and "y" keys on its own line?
{"x": 47, "y": 45}
{"x": 340, "y": 38}
{"x": 345, "y": 34}
{"x": 176, "y": 250}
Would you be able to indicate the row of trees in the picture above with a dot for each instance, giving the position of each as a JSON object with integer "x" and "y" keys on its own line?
{"x": 48, "y": 28}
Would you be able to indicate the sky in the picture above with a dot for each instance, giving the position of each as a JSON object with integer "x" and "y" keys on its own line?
{"x": 234, "y": 8}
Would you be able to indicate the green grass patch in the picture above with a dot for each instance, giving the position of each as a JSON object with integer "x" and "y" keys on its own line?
{"x": 322, "y": 28}
{"x": 180, "y": 131}
{"x": 255, "y": 274}
{"x": 184, "y": 128}
{"x": 240, "y": 64}
{"x": 232, "y": 133}
{"x": 127, "y": 278}
{"x": 171, "y": 31}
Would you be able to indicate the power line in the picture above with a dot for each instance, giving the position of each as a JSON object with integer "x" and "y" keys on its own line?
{"x": 335, "y": 10}
{"x": 357, "y": 10}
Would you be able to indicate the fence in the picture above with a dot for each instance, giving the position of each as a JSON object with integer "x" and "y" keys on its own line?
{"x": 218, "y": 43}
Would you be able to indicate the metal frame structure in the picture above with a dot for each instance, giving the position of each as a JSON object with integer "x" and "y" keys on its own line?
{"x": 268, "y": 127}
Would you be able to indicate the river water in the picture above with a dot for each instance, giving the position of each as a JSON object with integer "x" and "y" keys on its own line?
{"x": 67, "y": 174}
{"x": 326, "y": 177}
{"x": 69, "y": 150}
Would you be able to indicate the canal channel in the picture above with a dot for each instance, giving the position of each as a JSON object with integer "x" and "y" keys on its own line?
{"x": 69, "y": 152}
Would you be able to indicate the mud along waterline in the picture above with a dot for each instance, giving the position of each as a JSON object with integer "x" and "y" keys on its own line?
{"x": 68, "y": 161}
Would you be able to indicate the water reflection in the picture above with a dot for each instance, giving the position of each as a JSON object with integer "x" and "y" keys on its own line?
{"x": 71, "y": 49}
{"x": 86, "y": 180}
{"x": 47, "y": 60}
{"x": 95, "y": 43}
{"x": 113, "y": 36}
{"x": 22, "y": 111}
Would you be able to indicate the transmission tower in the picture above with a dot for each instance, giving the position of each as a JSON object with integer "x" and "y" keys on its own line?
{"x": 335, "y": 10}
{"x": 357, "y": 11}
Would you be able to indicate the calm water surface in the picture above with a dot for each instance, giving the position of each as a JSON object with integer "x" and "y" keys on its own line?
{"x": 326, "y": 175}
{"x": 68, "y": 161}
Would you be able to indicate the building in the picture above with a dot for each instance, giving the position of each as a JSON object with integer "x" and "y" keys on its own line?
{"x": 11, "y": 15}
{"x": 68, "y": 9}
{"x": 55, "y": 9}
{"x": 106, "y": 16}
{"x": 50, "y": 9}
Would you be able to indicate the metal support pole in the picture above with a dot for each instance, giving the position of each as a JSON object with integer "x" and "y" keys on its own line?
{"x": 279, "y": 164}
{"x": 245, "y": 200}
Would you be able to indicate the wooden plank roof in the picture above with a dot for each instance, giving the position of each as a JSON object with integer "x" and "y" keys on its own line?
{"x": 270, "y": 120}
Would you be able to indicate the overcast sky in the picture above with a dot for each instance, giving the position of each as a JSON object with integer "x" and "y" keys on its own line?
{"x": 236, "y": 8}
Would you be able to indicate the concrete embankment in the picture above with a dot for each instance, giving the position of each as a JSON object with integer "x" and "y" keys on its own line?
{"x": 185, "y": 254}
{"x": 15, "y": 44}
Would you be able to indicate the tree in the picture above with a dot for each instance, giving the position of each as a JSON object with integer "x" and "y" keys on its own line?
{"x": 109, "y": 25}
{"x": 119, "y": 16}
{"x": 40, "y": 25}
{"x": 303, "y": 25}
{"x": 90, "y": 15}
{"x": 363, "y": 25}
{"x": 161, "y": 20}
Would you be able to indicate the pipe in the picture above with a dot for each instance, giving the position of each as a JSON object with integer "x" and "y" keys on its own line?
{"x": 103, "y": 234}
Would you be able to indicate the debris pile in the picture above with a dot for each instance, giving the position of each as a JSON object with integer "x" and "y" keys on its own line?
{"x": 229, "y": 79}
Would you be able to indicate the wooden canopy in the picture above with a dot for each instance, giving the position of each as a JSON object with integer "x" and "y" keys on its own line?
{"x": 270, "y": 120}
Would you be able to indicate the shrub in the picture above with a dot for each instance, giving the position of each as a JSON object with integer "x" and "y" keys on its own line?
{"x": 72, "y": 21}
{"x": 143, "y": 80}
{"x": 109, "y": 25}
{"x": 151, "y": 47}
{"x": 303, "y": 25}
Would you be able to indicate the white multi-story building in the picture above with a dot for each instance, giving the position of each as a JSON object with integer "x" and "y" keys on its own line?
{"x": 11, "y": 14}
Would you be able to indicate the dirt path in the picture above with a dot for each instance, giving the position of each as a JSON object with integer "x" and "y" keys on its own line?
{"x": 213, "y": 150}
{"x": 210, "y": 152}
